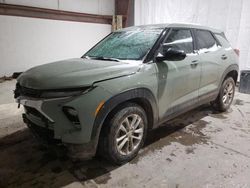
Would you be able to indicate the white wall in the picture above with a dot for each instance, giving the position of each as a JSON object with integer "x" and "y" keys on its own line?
{"x": 105, "y": 7}
{"x": 27, "y": 42}
{"x": 231, "y": 16}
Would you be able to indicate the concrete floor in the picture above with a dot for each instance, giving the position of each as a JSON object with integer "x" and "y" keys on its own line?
{"x": 199, "y": 149}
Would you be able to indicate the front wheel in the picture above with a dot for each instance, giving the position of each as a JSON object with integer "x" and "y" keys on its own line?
{"x": 123, "y": 134}
{"x": 226, "y": 95}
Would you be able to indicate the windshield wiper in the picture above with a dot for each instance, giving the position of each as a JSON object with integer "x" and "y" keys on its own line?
{"x": 102, "y": 58}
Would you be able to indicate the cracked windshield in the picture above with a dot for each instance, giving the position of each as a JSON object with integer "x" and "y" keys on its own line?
{"x": 125, "y": 45}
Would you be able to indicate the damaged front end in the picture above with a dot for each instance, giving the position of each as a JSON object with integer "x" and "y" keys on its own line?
{"x": 60, "y": 116}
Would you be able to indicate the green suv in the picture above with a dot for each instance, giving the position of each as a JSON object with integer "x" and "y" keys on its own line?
{"x": 129, "y": 83}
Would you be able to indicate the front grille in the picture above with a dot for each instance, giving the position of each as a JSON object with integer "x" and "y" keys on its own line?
{"x": 34, "y": 112}
{"x": 24, "y": 91}
{"x": 42, "y": 133}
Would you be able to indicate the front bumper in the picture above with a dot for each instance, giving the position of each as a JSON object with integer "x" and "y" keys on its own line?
{"x": 45, "y": 135}
{"x": 46, "y": 115}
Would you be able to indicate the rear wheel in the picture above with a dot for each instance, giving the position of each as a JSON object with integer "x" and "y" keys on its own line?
{"x": 124, "y": 135}
{"x": 226, "y": 95}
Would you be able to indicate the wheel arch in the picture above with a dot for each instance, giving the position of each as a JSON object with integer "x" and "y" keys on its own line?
{"x": 141, "y": 96}
{"x": 231, "y": 71}
{"x": 233, "y": 74}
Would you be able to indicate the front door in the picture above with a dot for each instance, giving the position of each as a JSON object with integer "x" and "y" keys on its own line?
{"x": 178, "y": 81}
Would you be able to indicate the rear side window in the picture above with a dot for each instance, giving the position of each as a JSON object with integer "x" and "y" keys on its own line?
{"x": 205, "y": 41}
{"x": 180, "y": 39}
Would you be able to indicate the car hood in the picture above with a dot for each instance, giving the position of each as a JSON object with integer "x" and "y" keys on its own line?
{"x": 73, "y": 73}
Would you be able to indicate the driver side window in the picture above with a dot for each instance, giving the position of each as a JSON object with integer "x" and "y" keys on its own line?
{"x": 179, "y": 39}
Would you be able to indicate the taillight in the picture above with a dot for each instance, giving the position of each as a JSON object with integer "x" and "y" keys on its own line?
{"x": 237, "y": 51}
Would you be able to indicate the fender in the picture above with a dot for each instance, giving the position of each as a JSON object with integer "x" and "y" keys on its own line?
{"x": 114, "y": 101}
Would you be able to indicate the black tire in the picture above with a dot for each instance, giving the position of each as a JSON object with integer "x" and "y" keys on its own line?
{"x": 108, "y": 146}
{"x": 218, "y": 104}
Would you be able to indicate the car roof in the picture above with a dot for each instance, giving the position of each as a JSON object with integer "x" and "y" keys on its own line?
{"x": 171, "y": 25}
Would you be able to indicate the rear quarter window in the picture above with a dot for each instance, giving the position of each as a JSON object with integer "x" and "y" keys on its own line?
{"x": 224, "y": 42}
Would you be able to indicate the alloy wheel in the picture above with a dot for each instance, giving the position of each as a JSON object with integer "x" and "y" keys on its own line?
{"x": 228, "y": 94}
{"x": 129, "y": 134}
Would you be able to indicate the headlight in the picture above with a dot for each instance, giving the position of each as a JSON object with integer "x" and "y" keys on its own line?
{"x": 64, "y": 93}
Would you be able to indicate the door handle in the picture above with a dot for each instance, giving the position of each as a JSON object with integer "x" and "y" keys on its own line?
{"x": 194, "y": 63}
{"x": 224, "y": 57}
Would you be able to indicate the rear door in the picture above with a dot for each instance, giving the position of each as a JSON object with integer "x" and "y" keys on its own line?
{"x": 210, "y": 60}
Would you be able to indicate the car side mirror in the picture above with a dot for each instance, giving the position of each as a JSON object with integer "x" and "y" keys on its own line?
{"x": 171, "y": 54}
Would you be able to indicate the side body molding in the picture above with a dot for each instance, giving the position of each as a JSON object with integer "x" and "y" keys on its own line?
{"x": 137, "y": 93}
